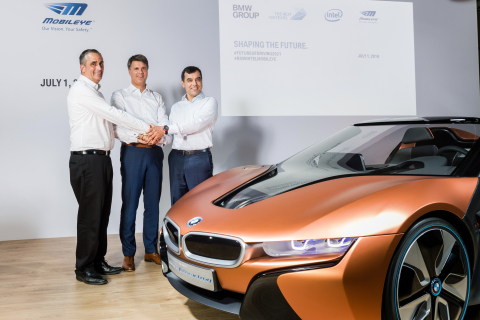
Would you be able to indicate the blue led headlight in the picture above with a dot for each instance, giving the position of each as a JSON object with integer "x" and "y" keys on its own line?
{"x": 307, "y": 247}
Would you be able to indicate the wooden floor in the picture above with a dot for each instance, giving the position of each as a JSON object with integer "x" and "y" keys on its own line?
{"x": 37, "y": 281}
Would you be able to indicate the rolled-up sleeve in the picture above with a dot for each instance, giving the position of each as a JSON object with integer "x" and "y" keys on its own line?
{"x": 121, "y": 133}
{"x": 100, "y": 107}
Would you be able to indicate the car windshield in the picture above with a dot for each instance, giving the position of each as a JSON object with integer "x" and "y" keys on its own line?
{"x": 399, "y": 149}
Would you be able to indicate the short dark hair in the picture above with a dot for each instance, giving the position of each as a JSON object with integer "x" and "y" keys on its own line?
{"x": 189, "y": 70}
{"x": 83, "y": 55}
{"x": 137, "y": 57}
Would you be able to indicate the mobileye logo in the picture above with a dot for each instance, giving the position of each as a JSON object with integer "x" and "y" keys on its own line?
{"x": 368, "y": 13}
{"x": 194, "y": 221}
{"x": 333, "y": 15}
{"x": 64, "y": 9}
{"x": 368, "y": 17}
{"x": 67, "y": 8}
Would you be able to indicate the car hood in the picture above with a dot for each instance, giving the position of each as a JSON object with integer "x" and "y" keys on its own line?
{"x": 342, "y": 207}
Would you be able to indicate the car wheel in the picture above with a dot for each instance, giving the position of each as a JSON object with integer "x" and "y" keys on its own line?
{"x": 429, "y": 275}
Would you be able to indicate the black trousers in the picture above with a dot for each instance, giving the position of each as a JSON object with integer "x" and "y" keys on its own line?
{"x": 91, "y": 179}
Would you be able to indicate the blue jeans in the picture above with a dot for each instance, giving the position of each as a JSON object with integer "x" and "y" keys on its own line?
{"x": 141, "y": 168}
{"x": 186, "y": 172}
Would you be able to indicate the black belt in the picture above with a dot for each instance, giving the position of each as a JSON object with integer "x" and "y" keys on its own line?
{"x": 99, "y": 152}
{"x": 140, "y": 145}
{"x": 190, "y": 152}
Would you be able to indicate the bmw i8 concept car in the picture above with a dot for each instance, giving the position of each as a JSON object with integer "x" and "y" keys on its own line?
{"x": 378, "y": 221}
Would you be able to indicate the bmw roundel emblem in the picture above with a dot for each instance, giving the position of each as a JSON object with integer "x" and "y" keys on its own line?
{"x": 436, "y": 287}
{"x": 194, "y": 221}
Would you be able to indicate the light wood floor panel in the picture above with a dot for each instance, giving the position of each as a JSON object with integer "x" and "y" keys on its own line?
{"x": 37, "y": 281}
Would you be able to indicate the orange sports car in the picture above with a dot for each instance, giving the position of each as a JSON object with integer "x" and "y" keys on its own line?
{"x": 378, "y": 221}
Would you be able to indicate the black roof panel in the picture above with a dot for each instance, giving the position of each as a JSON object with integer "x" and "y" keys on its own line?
{"x": 422, "y": 120}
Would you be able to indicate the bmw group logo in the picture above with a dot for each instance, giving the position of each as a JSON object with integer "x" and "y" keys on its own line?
{"x": 194, "y": 221}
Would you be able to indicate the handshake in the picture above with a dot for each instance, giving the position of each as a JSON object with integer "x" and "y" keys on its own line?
{"x": 152, "y": 136}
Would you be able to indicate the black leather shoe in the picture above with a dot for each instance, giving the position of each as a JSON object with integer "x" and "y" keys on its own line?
{"x": 90, "y": 276}
{"x": 106, "y": 269}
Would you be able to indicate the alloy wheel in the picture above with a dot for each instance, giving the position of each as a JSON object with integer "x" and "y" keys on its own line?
{"x": 434, "y": 278}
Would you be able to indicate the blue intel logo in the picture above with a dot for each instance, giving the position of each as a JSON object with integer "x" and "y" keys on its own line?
{"x": 67, "y": 8}
{"x": 333, "y": 15}
{"x": 368, "y": 13}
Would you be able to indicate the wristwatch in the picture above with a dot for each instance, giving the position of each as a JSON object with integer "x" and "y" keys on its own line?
{"x": 165, "y": 128}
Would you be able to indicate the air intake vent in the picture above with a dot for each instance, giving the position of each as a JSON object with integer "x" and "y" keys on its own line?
{"x": 213, "y": 249}
{"x": 171, "y": 233}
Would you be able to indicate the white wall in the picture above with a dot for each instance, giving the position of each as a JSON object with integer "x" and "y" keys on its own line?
{"x": 36, "y": 200}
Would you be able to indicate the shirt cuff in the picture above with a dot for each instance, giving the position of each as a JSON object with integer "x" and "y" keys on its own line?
{"x": 132, "y": 138}
{"x": 174, "y": 129}
{"x": 162, "y": 142}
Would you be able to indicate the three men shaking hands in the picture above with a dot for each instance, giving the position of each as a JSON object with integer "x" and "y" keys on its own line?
{"x": 137, "y": 117}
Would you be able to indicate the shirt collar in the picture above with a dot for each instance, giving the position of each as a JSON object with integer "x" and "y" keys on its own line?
{"x": 89, "y": 82}
{"x": 199, "y": 96}
{"x": 132, "y": 88}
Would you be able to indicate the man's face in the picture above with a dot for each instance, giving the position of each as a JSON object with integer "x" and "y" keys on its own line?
{"x": 138, "y": 72}
{"x": 93, "y": 68}
{"x": 192, "y": 83}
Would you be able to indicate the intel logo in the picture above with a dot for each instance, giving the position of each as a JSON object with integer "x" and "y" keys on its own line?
{"x": 333, "y": 15}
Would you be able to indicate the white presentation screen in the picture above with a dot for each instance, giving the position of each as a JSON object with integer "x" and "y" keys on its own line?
{"x": 319, "y": 58}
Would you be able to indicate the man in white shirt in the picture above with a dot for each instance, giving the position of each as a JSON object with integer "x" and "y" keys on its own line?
{"x": 141, "y": 163}
{"x": 191, "y": 123}
{"x": 92, "y": 138}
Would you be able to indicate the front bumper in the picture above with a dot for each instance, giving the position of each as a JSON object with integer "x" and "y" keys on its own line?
{"x": 224, "y": 300}
{"x": 351, "y": 288}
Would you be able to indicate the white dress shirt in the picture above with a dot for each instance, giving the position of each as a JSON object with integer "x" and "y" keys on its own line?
{"x": 191, "y": 123}
{"x": 147, "y": 106}
{"x": 91, "y": 118}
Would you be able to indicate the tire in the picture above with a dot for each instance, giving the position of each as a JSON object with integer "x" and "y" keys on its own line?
{"x": 429, "y": 275}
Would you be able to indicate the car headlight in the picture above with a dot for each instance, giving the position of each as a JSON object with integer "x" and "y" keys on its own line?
{"x": 307, "y": 247}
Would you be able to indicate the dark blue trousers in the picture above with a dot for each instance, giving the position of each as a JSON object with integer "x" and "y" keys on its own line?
{"x": 186, "y": 172}
{"x": 141, "y": 168}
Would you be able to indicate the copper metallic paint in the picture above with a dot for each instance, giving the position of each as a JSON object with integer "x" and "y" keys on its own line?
{"x": 460, "y": 134}
{"x": 351, "y": 290}
{"x": 407, "y": 145}
{"x": 238, "y": 279}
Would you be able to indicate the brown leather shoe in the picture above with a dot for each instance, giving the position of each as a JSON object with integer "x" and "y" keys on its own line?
{"x": 153, "y": 257}
{"x": 128, "y": 264}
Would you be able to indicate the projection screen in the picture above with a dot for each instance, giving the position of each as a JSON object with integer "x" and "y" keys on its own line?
{"x": 317, "y": 58}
